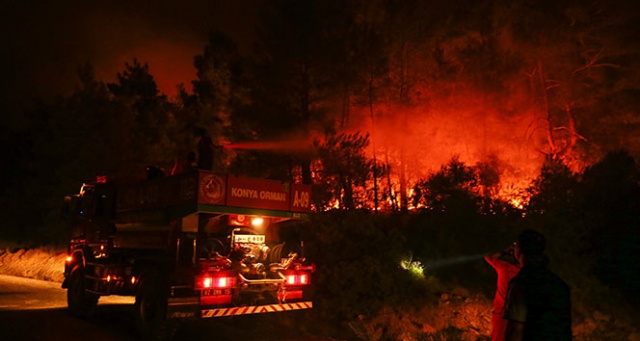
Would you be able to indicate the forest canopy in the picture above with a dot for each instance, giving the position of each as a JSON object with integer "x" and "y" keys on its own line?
{"x": 365, "y": 100}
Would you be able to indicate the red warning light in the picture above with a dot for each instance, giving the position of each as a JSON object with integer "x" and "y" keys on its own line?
{"x": 238, "y": 220}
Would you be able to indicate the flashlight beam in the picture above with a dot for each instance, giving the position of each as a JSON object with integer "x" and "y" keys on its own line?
{"x": 453, "y": 261}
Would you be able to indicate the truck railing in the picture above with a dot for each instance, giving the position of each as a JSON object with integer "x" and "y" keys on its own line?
{"x": 264, "y": 281}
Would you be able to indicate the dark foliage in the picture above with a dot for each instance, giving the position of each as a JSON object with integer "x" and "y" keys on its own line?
{"x": 456, "y": 225}
{"x": 589, "y": 222}
{"x": 114, "y": 130}
{"x": 452, "y": 186}
{"x": 611, "y": 205}
{"x": 358, "y": 256}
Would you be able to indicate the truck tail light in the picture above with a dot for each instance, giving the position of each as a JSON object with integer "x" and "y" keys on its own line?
{"x": 297, "y": 278}
{"x": 217, "y": 280}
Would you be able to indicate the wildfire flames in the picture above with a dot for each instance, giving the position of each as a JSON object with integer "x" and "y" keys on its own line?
{"x": 418, "y": 141}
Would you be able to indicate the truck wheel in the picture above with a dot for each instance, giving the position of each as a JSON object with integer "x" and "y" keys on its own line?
{"x": 151, "y": 310}
{"x": 81, "y": 303}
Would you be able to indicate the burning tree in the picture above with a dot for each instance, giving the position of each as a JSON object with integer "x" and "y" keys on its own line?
{"x": 342, "y": 170}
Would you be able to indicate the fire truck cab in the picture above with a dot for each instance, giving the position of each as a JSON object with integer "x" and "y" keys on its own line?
{"x": 193, "y": 245}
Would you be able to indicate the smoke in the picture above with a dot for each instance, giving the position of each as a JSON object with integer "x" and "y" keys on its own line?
{"x": 420, "y": 140}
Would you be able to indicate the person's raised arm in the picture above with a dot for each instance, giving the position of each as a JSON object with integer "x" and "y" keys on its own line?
{"x": 497, "y": 255}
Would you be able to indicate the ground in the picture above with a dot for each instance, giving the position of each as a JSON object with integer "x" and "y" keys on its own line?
{"x": 468, "y": 317}
{"x": 458, "y": 315}
{"x": 41, "y": 263}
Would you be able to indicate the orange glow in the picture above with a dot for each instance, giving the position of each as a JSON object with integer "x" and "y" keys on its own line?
{"x": 170, "y": 63}
{"x": 257, "y": 221}
{"x": 69, "y": 259}
{"x": 416, "y": 141}
{"x": 496, "y": 130}
{"x": 334, "y": 204}
{"x": 517, "y": 203}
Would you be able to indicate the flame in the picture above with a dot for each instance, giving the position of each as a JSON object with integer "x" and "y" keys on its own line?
{"x": 517, "y": 203}
{"x": 417, "y": 141}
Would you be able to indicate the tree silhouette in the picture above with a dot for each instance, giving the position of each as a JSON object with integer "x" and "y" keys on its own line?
{"x": 343, "y": 169}
{"x": 294, "y": 59}
{"x": 221, "y": 93}
{"x": 145, "y": 124}
{"x": 611, "y": 202}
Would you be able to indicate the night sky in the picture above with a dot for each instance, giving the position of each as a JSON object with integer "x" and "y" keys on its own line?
{"x": 44, "y": 42}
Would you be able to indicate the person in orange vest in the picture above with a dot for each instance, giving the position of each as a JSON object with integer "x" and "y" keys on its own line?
{"x": 506, "y": 266}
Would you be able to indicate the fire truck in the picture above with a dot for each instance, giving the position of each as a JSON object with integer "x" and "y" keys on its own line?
{"x": 193, "y": 245}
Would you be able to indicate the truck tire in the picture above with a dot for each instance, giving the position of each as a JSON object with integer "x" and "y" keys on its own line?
{"x": 151, "y": 310}
{"x": 81, "y": 303}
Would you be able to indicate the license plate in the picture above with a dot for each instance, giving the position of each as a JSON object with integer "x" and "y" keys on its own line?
{"x": 249, "y": 238}
{"x": 215, "y": 292}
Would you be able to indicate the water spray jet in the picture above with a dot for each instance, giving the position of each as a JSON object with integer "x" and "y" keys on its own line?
{"x": 274, "y": 146}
